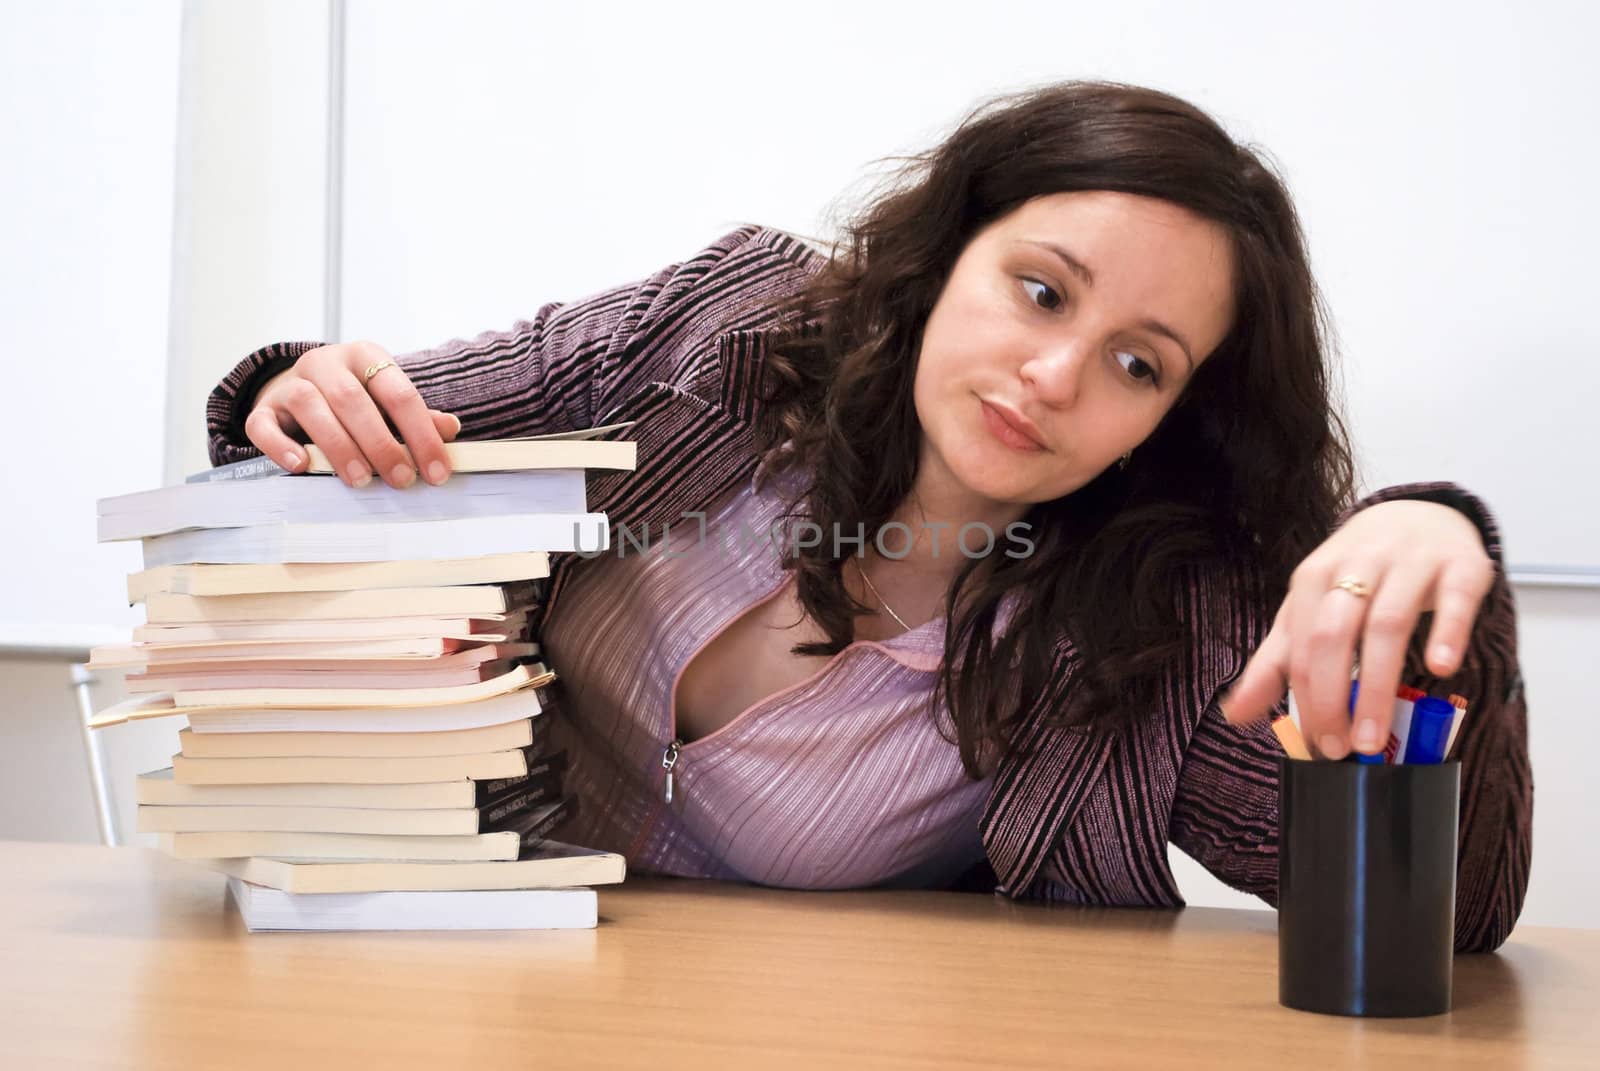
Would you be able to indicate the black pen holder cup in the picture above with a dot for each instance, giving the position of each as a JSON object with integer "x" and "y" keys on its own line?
{"x": 1366, "y": 886}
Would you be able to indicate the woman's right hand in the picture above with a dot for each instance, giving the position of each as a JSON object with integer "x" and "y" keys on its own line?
{"x": 327, "y": 399}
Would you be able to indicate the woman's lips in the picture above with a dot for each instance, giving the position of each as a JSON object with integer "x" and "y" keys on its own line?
{"x": 1005, "y": 433}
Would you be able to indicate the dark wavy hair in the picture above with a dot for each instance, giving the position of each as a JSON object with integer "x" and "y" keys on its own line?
{"x": 1247, "y": 472}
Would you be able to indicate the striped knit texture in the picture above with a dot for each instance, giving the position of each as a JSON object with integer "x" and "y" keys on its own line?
{"x": 1068, "y": 817}
{"x": 840, "y": 781}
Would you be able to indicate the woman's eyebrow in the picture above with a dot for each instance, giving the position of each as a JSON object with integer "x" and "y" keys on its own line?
{"x": 1081, "y": 270}
{"x": 1074, "y": 265}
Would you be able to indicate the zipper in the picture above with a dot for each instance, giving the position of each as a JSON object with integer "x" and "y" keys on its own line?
{"x": 669, "y": 759}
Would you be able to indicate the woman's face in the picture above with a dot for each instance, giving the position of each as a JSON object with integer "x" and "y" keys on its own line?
{"x": 1018, "y": 333}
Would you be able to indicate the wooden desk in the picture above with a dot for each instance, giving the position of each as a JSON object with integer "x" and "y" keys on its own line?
{"x": 120, "y": 957}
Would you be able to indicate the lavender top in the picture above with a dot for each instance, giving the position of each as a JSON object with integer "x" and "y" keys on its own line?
{"x": 842, "y": 780}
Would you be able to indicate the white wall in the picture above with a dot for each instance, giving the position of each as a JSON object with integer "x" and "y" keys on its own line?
{"x": 88, "y": 133}
{"x": 150, "y": 224}
{"x": 161, "y": 210}
{"x": 501, "y": 155}
{"x": 504, "y": 153}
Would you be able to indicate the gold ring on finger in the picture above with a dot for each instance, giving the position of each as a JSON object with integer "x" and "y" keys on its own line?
{"x": 1353, "y": 586}
{"x": 374, "y": 369}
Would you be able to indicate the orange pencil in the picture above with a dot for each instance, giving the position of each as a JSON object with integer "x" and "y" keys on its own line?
{"x": 1289, "y": 736}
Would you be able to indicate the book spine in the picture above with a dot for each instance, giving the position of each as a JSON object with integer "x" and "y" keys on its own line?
{"x": 489, "y": 793}
{"x": 251, "y": 468}
{"x": 512, "y": 810}
{"x": 535, "y": 826}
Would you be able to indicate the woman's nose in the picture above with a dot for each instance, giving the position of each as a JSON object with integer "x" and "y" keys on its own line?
{"x": 1057, "y": 372}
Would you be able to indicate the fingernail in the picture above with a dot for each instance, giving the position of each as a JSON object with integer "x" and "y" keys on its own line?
{"x": 1444, "y": 655}
{"x": 402, "y": 475}
{"x": 357, "y": 474}
{"x": 1331, "y": 746}
{"x": 291, "y": 459}
{"x": 1367, "y": 735}
{"x": 436, "y": 473}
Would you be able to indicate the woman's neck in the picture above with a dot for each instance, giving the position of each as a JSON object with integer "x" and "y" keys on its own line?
{"x": 917, "y": 570}
{"x": 936, "y": 512}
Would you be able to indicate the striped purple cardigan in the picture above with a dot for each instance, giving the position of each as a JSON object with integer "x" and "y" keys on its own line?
{"x": 1070, "y": 817}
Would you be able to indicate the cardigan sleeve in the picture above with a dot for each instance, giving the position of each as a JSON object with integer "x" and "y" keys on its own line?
{"x": 567, "y": 366}
{"x": 1225, "y": 812}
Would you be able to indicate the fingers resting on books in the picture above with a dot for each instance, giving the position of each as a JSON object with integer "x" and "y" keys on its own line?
{"x": 361, "y": 409}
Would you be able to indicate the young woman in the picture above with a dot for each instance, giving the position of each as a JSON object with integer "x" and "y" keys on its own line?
{"x": 1050, "y": 441}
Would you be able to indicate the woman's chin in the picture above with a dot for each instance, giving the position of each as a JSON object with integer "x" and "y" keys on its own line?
{"x": 994, "y": 478}
{"x": 1002, "y": 476}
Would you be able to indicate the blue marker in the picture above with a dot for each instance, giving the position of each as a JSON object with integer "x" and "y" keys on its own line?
{"x": 1430, "y": 730}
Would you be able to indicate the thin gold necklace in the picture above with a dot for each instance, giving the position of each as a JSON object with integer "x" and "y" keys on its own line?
{"x": 873, "y": 588}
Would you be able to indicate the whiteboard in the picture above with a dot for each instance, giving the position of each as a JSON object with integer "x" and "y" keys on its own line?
{"x": 500, "y": 155}
{"x": 88, "y": 133}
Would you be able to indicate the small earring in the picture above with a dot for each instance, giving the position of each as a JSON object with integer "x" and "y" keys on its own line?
{"x": 1122, "y": 462}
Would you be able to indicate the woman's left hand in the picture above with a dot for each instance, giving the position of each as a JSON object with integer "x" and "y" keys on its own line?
{"x": 1414, "y": 556}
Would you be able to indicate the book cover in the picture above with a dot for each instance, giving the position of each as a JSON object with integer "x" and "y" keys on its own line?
{"x": 348, "y": 847}
{"x": 510, "y": 843}
{"x": 394, "y": 680}
{"x": 502, "y": 737}
{"x": 266, "y": 909}
{"x": 469, "y": 600}
{"x": 254, "y": 468}
{"x": 202, "y": 579}
{"x": 160, "y": 788}
{"x": 312, "y": 499}
{"x": 164, "y": 705}
{"x": 551, "y": 865}
{"x": 489, "y": 628}
{"x": 367, "y": 541}
{"x": 357, "y": 771}
{"x": 515, "y": 455}
{"x": 504, "y": 813}
{"x": 527, "y": 703}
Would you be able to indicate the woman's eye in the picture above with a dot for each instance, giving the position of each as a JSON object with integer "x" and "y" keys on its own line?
{"x": 1137, "y": 368}
{"x": 1056, "y": 298}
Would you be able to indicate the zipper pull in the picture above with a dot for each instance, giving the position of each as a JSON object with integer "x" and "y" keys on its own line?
{"x": 669, "y": 759}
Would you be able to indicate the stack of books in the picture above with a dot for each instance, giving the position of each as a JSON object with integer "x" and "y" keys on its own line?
{"x": 366, "y": 706}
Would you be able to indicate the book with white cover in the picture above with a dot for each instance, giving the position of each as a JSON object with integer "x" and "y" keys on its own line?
{"x": 552, "y": 865}
{"x": 473, "y": 665}
{"x": 311, "y": 499}
{"x": 354, "y": 771}
{"x": 530, "y": 830}
{"x": 465, "y": 456}
{"x": 138, "y": 656}
{"x": 466, "y": 600}
{"x": 206, "y": 579}
{"x": 511, "y": 734}
{"x": 366, "y": 541}
{"x": 421, "y": 821}
{"x": 488, "y": 629}
{"x": 508, "y": 455}
{"x": 342, "y": 846}
{"x": 160, "y": 788}
{"x": 262, "y": 908}
{"x": 501, "y": 708}
{"x": 166, "y": 704}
